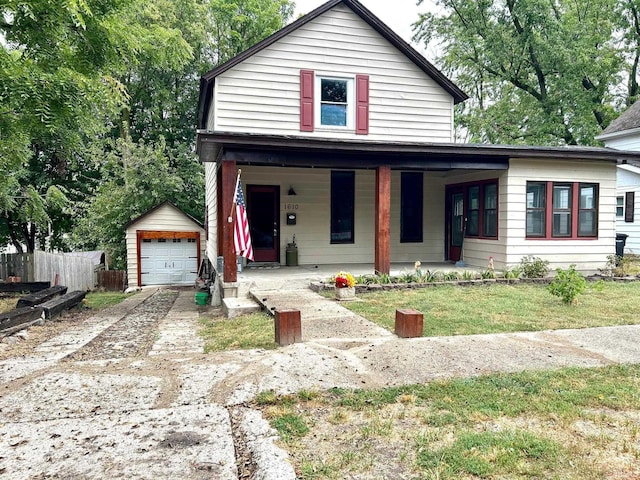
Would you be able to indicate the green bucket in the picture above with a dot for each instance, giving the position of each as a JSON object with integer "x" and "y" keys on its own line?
{"x": 202, "y": 298}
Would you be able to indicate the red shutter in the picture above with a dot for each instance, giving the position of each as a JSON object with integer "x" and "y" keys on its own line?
{"x": 362, "y": 104}
{"x": 306, "y": 100}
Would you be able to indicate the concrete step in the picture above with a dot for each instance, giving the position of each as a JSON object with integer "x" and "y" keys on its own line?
{"x": 234, "y": 307}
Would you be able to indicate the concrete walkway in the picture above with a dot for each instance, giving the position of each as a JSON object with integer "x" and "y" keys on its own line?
{"x": 74, "y": 409}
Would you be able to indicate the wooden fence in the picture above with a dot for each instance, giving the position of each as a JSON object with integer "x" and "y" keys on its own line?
{"x": 17, "y": 265}
{"x": 111, "y": 280}
{"x": 77, "y": 273}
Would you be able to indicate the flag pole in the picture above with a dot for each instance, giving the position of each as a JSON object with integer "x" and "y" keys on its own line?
{"x": 235, "y": 192}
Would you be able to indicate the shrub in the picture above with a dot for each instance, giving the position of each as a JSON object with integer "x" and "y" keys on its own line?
{"x": 513, "y": 272}
{"x": 567, "y": 285}
{"x": 534, "y": 267}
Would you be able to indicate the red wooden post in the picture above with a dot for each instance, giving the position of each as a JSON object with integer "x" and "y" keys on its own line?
{"x": 228, "y": 184}
{"x": 383, "y": 216}
{"x": 409, "y": 323}
{"x": 288, "y": 326}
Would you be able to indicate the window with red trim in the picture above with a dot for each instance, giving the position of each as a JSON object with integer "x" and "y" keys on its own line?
{"x": 562, "y": 210}
{"x": 481, "y": 208}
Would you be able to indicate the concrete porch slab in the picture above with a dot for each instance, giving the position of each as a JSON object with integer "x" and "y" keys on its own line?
{"x": 236, "y": 306}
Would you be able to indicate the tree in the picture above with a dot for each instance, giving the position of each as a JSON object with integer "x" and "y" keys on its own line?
{"x": 59, "y": 68}
{"x": 138, "y": 177}
{"x": 538, "y": 71}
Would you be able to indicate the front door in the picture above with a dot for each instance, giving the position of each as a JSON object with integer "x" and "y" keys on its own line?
{"x": 263, "y": 208}
{"x": 455, "y": 225}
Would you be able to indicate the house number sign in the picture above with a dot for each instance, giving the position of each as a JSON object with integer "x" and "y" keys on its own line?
{"x": 290, "y": 206}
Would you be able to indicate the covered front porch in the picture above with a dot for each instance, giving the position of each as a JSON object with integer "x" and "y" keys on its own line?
{"x": 307, "y": 178}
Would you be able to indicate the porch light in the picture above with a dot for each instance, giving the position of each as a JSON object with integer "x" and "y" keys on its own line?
{"x": 291, "y": 191}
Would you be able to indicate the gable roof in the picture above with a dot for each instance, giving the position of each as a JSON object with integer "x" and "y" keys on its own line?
{"x": 629, "y": 120}
{"x": 158, "y": 207}
{"x": 208, "y": 79}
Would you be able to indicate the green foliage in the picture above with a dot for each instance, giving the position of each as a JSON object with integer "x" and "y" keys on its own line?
{"x": 290, "y": 426}
{"x": 537, "y": 72}
{"x": 513, "y": 273}
{"x": 487, "y": 274}
{"x": 533, "y": 267}
{"x": 75, "y": 72}
{"x": 568, "y": 284}
{"x": 139, "y": 177}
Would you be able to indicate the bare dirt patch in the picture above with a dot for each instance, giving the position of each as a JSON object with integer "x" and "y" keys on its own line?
{"x": 24, "y": 343}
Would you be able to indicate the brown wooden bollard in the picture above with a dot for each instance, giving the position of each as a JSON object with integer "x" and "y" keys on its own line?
{"x": 409, "y": 323}
{"x": 288, "y": 326}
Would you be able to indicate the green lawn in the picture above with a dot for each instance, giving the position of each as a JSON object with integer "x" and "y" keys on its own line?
{"x": 499, "y": 308}
{"x": 573, "y": 423}
{"x": 246, "y": 332}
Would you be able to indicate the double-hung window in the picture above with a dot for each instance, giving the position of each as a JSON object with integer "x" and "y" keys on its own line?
{"x": 335, "y": 97}
{"x": 562, "y": 210}
{"x": 619, "y": 207}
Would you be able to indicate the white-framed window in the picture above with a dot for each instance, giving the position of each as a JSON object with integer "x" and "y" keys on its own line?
{"x": 619, "y": 206}
{"x": 334, "y": 96}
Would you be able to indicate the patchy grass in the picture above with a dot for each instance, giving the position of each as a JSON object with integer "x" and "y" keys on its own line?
{"x": 573, "y": 423}
{"x": 497, "y": 308}
{"x": 98, "y": 300}
{"x": 255, "y": 330}
{"x": 8, "y": 303}
{"x": 93, "y": 300}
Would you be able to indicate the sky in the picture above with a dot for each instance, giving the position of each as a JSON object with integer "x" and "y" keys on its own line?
{"x": 397, "y": 14}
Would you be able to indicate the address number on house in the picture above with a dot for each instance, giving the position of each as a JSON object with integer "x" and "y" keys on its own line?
{"x": 290, "y": 206}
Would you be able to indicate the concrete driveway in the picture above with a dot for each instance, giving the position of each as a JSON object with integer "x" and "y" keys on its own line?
{"x": 128, "y": 393}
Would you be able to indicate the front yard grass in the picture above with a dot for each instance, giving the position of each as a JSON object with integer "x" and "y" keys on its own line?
{"x": 255, "y": 330}
{"x": 572, "y": 423}
{"x": 497, "y": 308}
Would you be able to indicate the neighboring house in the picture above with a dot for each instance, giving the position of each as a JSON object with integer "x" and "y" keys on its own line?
{"x": 624, "y": 134}
{"x": 164, "y": 247}
{"x": 339, "y": 121}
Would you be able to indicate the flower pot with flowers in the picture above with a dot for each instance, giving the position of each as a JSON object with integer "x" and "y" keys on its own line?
{"x": 345, "y": 286}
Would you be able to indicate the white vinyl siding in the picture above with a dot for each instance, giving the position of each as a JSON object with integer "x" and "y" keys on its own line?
{"x": 211, "y": 199}
{"x": 262, "y": 94}
{"x": 629, "y": 140}
{"x": 588, "y": 254}
{"x": 628, "y": 179}
{"x": 166, "y": 218}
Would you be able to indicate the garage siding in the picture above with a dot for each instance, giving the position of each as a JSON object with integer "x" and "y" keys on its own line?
{"x": 165, "y": 218}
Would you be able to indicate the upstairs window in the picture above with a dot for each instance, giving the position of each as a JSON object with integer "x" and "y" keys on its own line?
{"x": 334, "y": 102}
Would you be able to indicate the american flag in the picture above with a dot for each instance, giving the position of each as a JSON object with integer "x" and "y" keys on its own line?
{"x": 241, "y": 235}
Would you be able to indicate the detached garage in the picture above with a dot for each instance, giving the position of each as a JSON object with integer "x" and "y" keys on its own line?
{"x": 164, "y": 247}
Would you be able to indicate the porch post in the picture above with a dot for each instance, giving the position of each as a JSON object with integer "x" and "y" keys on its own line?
{"x": 228, "y": 184}
{"x": 383, "y": 215}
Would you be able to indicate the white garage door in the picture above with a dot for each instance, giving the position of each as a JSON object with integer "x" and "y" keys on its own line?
{"x": 168, "y": 261}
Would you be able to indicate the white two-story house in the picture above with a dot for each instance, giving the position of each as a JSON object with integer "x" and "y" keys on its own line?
{"x": 345, "y": 138}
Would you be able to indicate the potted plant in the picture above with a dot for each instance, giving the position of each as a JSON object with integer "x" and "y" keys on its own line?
{"x": 345, "y": 286}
